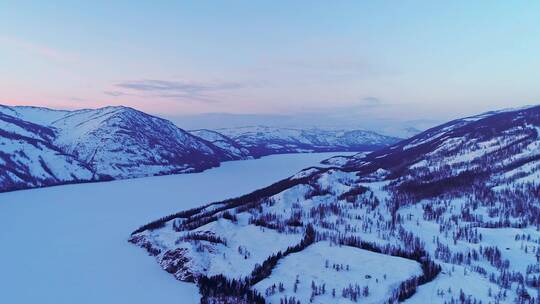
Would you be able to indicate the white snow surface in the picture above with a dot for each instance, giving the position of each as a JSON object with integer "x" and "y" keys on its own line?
{"x": 27, "y": 159}
{"x": 478, "y": 233}
{"x": 68, "y": 244}
{"x": 362, "y": 267}
{"x": 38, "y": 115}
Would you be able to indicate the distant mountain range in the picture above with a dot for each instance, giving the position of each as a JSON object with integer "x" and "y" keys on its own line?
{"x": 400, "y": 127}
{"x": 450, "y": 215}
{"x": 259, "y": 141}
{"x": 41, "y": 147}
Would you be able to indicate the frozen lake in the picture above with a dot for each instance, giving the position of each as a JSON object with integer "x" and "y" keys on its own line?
{"x": 68, "y": 244}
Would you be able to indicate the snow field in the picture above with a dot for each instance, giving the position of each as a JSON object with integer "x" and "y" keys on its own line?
{"x": 317, "y": 264}
{"x": 68, "y": 244}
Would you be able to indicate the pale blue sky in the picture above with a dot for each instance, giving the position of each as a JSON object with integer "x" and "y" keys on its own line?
{"x": 388, "y": 59}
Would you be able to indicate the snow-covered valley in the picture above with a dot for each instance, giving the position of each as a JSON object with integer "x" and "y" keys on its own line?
{"x": 450, "y": 215}
{"x": 68, "y": 244}
{"x": 42, "y": 147}
{"x": 459, "y": 201}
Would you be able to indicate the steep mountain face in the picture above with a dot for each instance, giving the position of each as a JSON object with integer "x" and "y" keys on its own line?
{"x": 491, "y": 145}
{"x": 123, "y": 142}
{"x": 228, "y": 146}
{"x": 262, "y": 140}
{"x": 100, "y": 144}
{"x": 451, "y": 215}
{"x": 28, "y": 159}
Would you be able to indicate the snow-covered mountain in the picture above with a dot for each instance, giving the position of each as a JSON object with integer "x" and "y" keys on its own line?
{"x": 28, "y": 159}
{"x": 121, "y": 142}
{"x": 451, "y": 215}
{"x": 110, "y": 142}
{"x": 490, "y": 143}
{"x": 261, "y": 140}
{"x": 227, "y": 145}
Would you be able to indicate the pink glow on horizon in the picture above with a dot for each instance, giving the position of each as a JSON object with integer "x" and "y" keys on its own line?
{"x": 158, "y": 107}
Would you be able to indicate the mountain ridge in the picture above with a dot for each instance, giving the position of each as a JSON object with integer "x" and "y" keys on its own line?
{"x": 118, "y": 142}
{"x": 264, "y": 140}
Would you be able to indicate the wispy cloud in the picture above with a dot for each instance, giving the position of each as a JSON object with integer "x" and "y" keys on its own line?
{"x": 177, "y": 86}
{"x": 113, "y": 93}
{"x": 179, "y": 90}
{"x": 77, "y": 99}
{"x": 41, "y": 50}
{"x": 371, "y": 101}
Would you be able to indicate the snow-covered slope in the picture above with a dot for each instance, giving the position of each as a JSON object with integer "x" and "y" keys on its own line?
{"x": 98, "y": 144}
{"x": 123, "y": 142}
{"x": 67, "y": 244}
{"x": 460, "y": 201}
{"x": 228, "y": 146}
{"x": 28, "y": 159}
{"x": 261, "y": 140}
{"x": 493, "y": 144}
{"x": 36, "y": 115}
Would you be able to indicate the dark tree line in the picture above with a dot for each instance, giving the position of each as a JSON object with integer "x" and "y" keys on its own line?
{"x": 265, "y": 269}
{"x": 219, "y": 288}
{"x": 240, "y": 204}
{"x": 406, "y": 289}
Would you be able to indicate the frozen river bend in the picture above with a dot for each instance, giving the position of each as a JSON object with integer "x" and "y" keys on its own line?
{"x": 68, "y": 244}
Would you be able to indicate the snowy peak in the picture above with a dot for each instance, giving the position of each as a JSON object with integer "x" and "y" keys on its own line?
{"x": 123, "y": 142}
